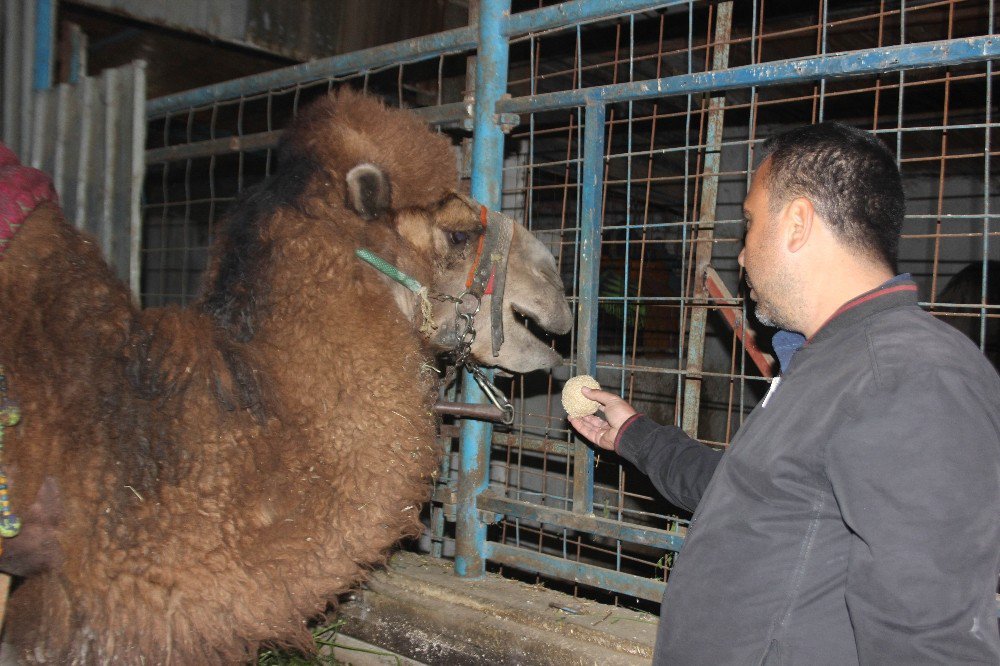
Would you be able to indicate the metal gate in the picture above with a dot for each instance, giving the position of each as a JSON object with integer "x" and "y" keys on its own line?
{"x": 623, "y": 132}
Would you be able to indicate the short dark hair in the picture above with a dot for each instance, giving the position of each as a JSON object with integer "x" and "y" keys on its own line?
{"x": 850, "y": 177}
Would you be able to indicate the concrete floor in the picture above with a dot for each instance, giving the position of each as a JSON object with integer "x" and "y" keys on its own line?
{"x": 419, "y": 610}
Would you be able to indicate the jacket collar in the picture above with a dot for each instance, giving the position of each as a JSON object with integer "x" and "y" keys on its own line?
{"x": 900, "y": 290}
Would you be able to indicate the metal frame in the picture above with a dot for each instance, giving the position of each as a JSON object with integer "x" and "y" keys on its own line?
{"x": 487, "y": 178}
{"x": 490, "y": 110}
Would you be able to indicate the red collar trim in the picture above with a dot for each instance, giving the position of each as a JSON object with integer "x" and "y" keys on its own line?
{"x": 864, "y": 298}
{"x": 483, "y": 218}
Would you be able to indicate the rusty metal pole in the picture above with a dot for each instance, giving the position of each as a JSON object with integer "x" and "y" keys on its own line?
{"x": 706, "y": 228}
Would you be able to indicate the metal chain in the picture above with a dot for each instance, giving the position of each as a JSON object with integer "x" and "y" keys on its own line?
{"x": 495, "y": 395}
{"x": 465, "y": 330}
{"x": 467, "y": 306}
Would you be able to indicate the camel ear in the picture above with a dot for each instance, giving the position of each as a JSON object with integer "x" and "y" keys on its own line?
{"x": 368, "y": 191}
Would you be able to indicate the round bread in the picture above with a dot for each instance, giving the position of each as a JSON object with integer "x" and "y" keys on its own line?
{"x": 573, "y": 400}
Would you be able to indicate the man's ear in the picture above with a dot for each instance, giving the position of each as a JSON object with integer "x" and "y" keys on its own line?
{"x": 799, "y": 223}
{"x": 369, "y": 193}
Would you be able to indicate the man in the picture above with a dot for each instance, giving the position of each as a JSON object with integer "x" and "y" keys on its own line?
{"x": 855, "y": 517}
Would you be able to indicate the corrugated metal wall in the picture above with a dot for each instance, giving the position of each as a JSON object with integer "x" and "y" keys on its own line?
{"x": 89, "y": 136}
{"x": 18, "y": 34}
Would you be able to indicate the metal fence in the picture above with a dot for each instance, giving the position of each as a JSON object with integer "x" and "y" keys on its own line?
{"x": 630, "y": 129}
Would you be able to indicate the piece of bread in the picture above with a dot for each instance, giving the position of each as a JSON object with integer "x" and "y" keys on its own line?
{"x": 573, "y": 400}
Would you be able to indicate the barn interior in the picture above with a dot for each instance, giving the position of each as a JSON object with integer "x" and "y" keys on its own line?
{"x": 578, "y": 543}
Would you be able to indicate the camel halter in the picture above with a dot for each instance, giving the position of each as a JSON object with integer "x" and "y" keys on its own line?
{"x": 488, "y": 276}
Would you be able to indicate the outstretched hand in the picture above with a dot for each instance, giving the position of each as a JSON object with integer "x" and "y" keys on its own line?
{"x": 600, "y": 431}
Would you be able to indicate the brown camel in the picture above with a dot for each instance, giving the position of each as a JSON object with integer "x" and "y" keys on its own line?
{"x": 194, "y": 482}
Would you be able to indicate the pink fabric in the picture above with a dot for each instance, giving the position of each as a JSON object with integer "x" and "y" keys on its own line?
{"x": 22, "y": 189}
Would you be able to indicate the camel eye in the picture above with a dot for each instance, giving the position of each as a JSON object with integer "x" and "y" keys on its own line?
{"x": 458, "y": 237}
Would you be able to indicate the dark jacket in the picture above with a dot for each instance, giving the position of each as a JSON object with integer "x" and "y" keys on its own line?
{"x": 855, "y": 518}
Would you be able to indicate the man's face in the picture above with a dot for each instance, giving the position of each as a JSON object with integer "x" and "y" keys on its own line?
{"x": 770, "y": 284}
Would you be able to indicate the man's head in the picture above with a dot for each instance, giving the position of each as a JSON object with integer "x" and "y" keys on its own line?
{"x": 820, "y": 190}
{"x": 851, "y": 179}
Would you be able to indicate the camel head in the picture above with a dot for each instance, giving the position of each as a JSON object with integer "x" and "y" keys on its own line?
{"x": 399, "y": 183}
{"x": 482, "y": 265}
{"x": 501, "y": 267}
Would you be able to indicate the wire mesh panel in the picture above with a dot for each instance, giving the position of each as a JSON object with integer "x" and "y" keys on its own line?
{"x": 675, "y": 171}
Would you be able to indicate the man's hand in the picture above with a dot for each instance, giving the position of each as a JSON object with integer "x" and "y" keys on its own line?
{"x": 597, "y": 430}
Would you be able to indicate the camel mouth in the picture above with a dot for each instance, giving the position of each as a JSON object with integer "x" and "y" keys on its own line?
{"x": 538, "y": 331}
{"x": 517, "y": 312}
{"x": 543, "y": 326}
{"x": 552, "y": 316}
{"x": 529, "y": 329}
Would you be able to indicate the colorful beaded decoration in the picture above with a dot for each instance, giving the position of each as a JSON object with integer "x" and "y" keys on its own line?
{"x": 10, "y": 524}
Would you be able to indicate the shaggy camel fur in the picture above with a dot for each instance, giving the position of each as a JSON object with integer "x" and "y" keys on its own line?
{"x": 197, "y": 481}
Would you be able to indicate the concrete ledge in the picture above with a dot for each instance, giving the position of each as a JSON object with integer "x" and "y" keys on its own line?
{"x": 352, "y": 652}
{"x": 420, "y": 610}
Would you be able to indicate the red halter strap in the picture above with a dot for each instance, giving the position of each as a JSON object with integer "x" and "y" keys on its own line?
{"x": 483, "y": 216}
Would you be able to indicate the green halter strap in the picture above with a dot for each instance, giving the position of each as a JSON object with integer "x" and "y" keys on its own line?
{"x": 427, "y": 325}
{"x": 384, "y": 267}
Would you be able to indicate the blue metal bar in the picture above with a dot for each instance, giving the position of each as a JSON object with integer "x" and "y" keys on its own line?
{"x": 837, "y": 66}
{"x": 606, "y": 527}
{"x": 591, "y": 200}
{"x": 487, "y": 177}
{"x": 527, "y": 443}
{"x": 45, "y": 12}
{"x": 433, "y": 115}
{"x": 587, "y": 574}
{"x": 986, "y": 198}
{"x": 570, "y": 14}
{"x": 410, "y": 50}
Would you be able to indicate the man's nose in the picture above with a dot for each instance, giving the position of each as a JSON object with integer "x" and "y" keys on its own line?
{"x": 739, "y": 259}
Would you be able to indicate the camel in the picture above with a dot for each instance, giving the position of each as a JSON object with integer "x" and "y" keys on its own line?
{"x": 195, "y": 482}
